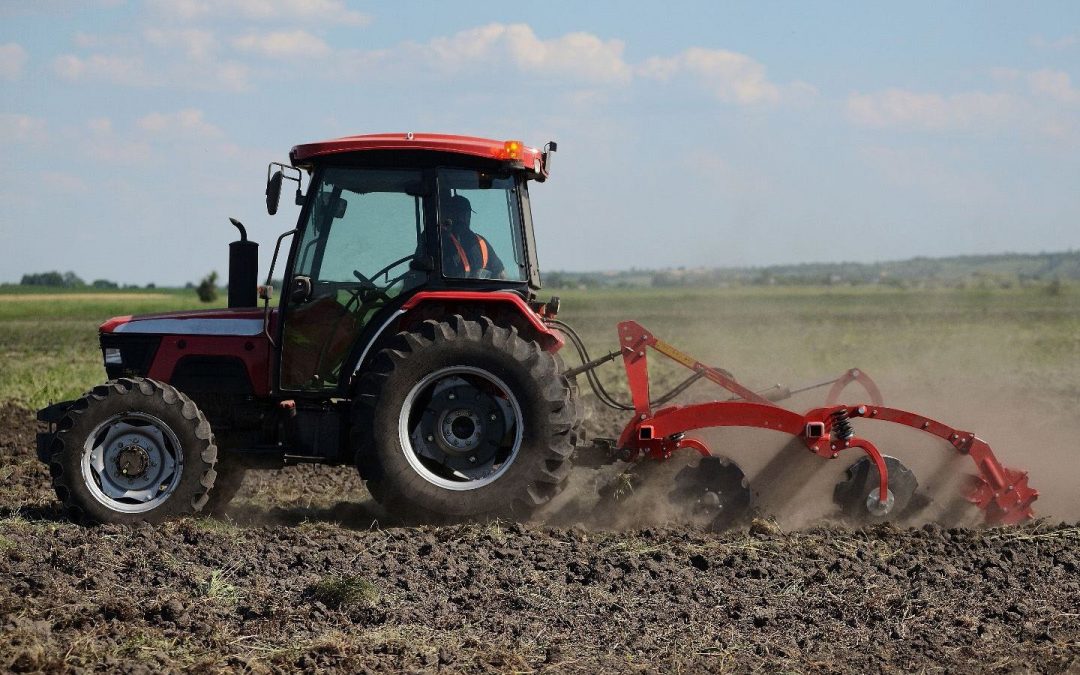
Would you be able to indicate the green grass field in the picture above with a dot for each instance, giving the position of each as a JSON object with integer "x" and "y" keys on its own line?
{"x": 48, "y": 341}
{"x": 1028, "y": 338}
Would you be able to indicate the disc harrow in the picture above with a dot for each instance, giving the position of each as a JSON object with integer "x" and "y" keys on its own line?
{"x": 877, "y": 486}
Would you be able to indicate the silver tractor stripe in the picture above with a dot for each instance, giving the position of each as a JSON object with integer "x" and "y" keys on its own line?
{"x": 193, "y": 326}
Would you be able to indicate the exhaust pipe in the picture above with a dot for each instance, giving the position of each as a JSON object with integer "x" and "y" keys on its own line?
{"x": 243, "y": 270}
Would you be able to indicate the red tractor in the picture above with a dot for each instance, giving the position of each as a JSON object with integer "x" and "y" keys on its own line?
{"x": 409, "y": 342}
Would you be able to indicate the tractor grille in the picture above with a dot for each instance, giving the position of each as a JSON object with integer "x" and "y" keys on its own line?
{"x": 127, "y": 355}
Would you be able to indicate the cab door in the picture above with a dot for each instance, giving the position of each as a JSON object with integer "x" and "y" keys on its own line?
{"x": 363, "y": 231}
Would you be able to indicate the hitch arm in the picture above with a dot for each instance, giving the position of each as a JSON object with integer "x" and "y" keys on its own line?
{"x": 635, "y": 340}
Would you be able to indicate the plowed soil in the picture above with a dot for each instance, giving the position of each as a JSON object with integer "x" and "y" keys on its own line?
{"x": 306, "y": 574}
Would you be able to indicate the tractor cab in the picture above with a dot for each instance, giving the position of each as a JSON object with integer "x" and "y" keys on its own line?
{"x": 386, "y": 217}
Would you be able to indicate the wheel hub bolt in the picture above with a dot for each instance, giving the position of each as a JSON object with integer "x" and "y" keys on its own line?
{"x": 472, "y": 460}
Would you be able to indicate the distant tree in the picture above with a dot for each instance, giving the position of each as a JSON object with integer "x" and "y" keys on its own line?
{"x": 207, "y": 288}
{"x": 666, "y": 280}
{"x": 104, "y": 283}
{"x": 54, "y": 279}
{"x": 43, "y": 279}
{"x": 555, "y": 280}
{"x": 151, "y": 285}
{"x": 589, "y": 281}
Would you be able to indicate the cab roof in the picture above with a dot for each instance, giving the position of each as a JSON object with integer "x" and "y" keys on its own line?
{"x": 514, "y": 152}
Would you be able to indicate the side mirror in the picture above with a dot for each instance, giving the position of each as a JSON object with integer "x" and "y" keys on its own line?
{"x": 300, "y": 291}
{"x": 273, "y": 192}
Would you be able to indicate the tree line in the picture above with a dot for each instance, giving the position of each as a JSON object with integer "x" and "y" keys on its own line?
{"x": 70, "y": 280}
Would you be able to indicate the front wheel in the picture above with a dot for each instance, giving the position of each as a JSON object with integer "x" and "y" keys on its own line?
{"x": 463, "y": 418}
{"x": 132, "y": 450}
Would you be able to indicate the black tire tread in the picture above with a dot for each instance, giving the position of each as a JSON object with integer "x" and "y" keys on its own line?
{"x": 548, "y": 468}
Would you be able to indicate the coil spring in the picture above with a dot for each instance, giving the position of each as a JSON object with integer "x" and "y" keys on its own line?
{"x": 841, "y": 427}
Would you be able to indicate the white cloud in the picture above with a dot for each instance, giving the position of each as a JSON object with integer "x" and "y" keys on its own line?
{"x": 101, "y": 144}
{"x": 930, "y": 111}
{"x": 730, "y": 76}
{"x": 12, "y": 60}
{"x": 131, "y": 72}
{"x": 116, "y": 69}
{"x": 100, "y": 126}
{"x": 282, "y": 44}
{"x": 328, "y": 12}
{"x": 232, "y": 76}
{"x": 1039, "y": 104}
{"x": 1055, "y": 84}
{"x": 198, "y": 45}
{"x": 580, "y": 56}
{"x": 151, "y": 135}
{"x": 16, "y": 128}
{"x": 187, "y": 123}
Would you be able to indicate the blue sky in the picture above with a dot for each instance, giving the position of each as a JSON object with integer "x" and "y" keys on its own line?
{"x": 690, "y": 134}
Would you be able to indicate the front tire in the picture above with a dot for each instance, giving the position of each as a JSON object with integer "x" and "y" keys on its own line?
{"x": 132, "y": 450}
{"x": 463, "y": 418}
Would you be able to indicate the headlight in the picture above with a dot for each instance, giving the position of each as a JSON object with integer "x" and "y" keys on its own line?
{"x": 112, "y": 357}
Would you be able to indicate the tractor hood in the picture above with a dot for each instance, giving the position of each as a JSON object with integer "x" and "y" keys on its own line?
{"x": 242, "y": 321}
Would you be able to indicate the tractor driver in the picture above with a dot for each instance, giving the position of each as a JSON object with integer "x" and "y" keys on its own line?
{"x": 466, "y": 253}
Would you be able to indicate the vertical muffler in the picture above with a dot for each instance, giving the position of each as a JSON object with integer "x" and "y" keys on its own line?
{"x": 243, "y": 270}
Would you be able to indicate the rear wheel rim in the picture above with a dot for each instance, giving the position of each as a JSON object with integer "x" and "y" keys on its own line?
{"x": 132, "y": 462}
{"x": 460, "y": 428}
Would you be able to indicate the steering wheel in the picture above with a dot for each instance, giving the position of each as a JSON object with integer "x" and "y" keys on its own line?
{"x": 381, "y": 291}
{"x": 391, "y": 282}
{"x": 368, "y": 285}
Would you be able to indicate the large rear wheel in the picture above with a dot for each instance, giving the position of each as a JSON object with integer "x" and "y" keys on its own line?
{"x": 463, "y": 418}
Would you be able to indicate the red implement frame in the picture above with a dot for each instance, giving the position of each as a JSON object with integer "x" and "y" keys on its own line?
{"x": 1002, "y": 493}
